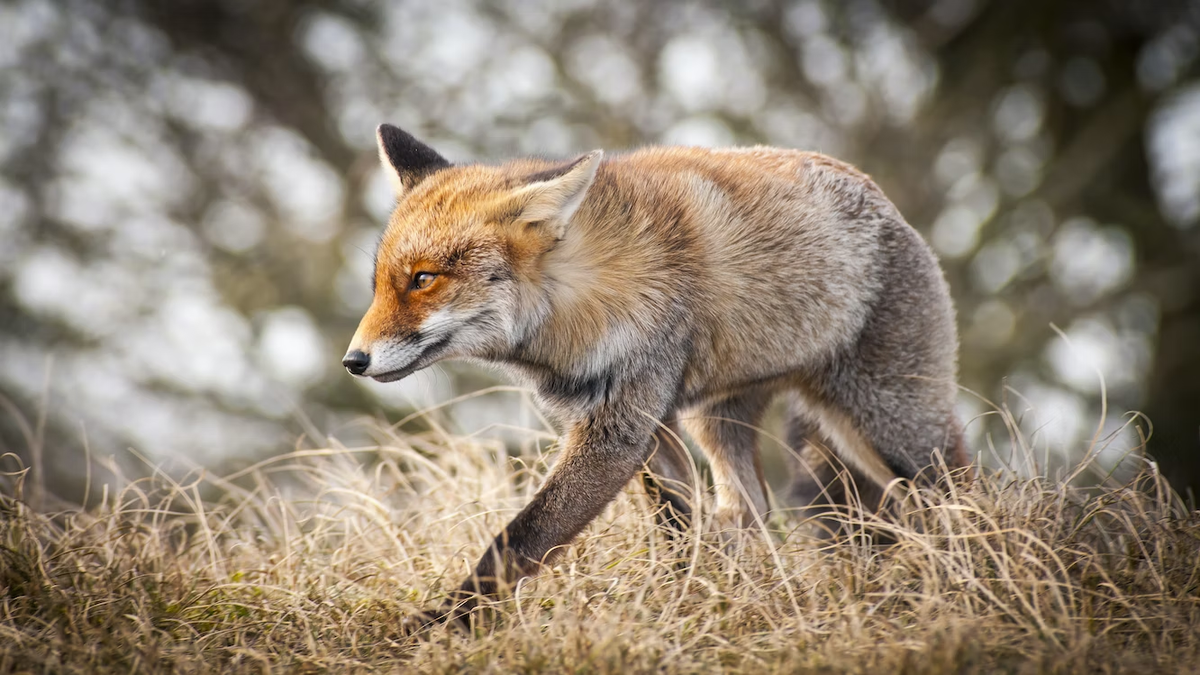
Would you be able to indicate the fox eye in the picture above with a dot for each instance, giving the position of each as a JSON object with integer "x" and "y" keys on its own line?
{"x": 421, "y": 280}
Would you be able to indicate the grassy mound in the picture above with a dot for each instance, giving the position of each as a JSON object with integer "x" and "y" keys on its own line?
{"x": 308, "y": 563}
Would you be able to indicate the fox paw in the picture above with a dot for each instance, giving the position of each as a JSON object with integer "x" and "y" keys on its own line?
{"x": 424, "y": 621}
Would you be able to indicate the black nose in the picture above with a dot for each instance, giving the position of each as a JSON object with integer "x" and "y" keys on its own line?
{"x": 356, "y": 362}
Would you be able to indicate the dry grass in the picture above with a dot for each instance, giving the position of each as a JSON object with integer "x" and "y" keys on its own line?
{"x": 308, "y": 563}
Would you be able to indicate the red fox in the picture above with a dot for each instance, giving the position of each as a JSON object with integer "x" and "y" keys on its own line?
{"x": 666, "y": 286}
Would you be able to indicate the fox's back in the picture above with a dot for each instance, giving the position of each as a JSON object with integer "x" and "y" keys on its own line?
{"x": 771, "y": 248}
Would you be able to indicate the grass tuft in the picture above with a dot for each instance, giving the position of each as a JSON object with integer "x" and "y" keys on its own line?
{"x": 308, "y": 563}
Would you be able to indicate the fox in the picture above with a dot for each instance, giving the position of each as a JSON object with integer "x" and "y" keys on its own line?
{"x": 670, "y": 289}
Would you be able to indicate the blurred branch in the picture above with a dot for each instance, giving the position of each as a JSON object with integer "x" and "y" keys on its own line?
{"x": 255, "y": 45}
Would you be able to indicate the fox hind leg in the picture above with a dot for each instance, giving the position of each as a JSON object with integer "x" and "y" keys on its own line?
{"x": 822, "y": 487}
{"x": 668, "y": 478}
{"x": 727, "y": 432}
{"x": 808, "y": 457}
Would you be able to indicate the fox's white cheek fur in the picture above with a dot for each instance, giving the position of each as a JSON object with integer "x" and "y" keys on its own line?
{"x": 436, "y": 325}
{"x": 391, "y": 355}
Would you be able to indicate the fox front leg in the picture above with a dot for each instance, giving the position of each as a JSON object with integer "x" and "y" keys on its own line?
{"x": 601, "y": 454}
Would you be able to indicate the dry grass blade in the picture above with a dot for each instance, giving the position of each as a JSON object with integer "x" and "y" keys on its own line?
{"x": 311, "y": 561}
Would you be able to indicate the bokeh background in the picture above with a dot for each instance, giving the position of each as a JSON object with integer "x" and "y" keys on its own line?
{"x": 189, "y": 194}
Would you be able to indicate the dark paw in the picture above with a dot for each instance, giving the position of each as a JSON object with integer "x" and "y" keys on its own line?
{"x": 423, "y": 622}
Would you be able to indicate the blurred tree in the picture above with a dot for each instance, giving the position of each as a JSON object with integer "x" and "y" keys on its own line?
{"x": 1100, "y": 71}
{"x": 188, "y": 192}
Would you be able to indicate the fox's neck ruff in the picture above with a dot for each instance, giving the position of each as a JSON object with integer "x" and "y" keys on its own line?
{"x": 590, "y": 303}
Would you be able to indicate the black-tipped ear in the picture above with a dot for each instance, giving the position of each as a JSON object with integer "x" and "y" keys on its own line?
{"x": 405, "y": 160}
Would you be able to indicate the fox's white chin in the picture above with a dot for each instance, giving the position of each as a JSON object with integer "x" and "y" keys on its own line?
{"x": 393, "y": 376}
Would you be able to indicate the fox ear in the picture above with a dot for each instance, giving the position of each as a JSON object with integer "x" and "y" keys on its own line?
{"x": 406, "y": 161}
{"x": 552, "y": 196}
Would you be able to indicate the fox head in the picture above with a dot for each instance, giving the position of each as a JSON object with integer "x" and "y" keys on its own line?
{"x": 457, "y": 269}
